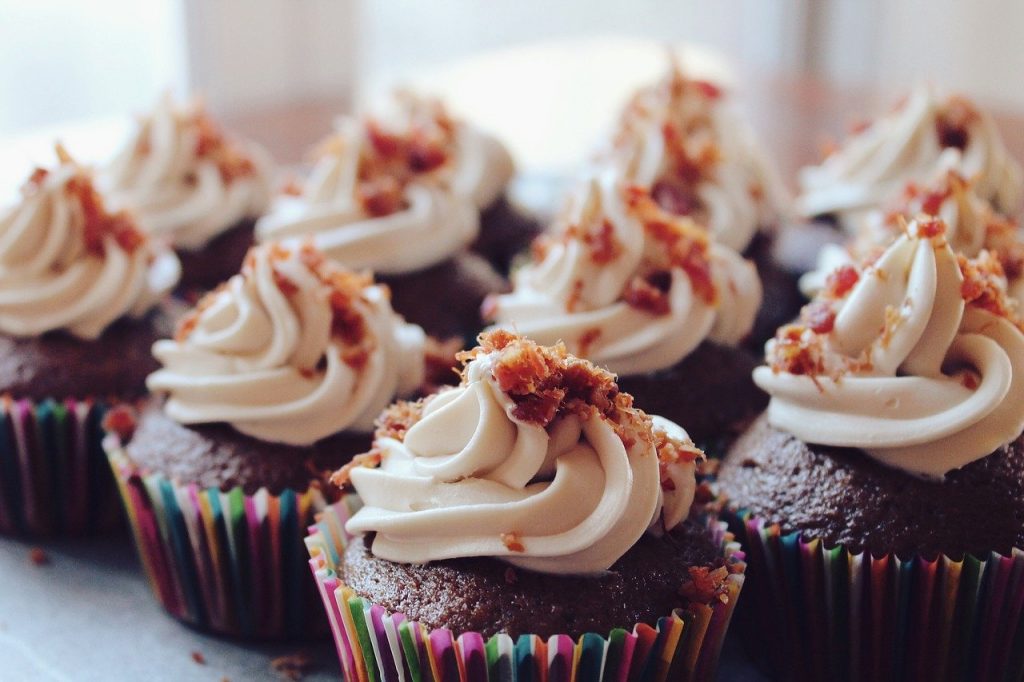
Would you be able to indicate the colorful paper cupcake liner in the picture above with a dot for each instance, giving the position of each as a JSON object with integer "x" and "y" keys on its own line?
{"x": 813, "y": 612}
{"x": 54, "y": 477}
{"x": 223, "y": 561}
{"x": 375, "y": 645}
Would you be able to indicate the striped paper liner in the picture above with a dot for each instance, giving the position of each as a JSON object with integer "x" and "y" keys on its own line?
{"x": 377, "y": 646}
{"x": 54, "y": 477}
{"x": 223, "y": 561}
{"x": 812, "y": 612}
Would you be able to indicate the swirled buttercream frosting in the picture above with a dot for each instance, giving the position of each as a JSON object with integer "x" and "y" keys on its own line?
{"x": 873, "y": 165}
{"x": 185, "y": 179}
{"x": 397, "y": 191}
{"x": 628, "y": 284}
{"x": 681, "y": 139}
{"x": 972, "y": 224}
{"x": 917, "y": 359}
{"x": 291, "y": 350}
{"x": 535, "y": 458}
{"x": 67, "y": 262}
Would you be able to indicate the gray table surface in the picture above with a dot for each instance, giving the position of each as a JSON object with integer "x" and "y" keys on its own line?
{"x": 87, "y": 614}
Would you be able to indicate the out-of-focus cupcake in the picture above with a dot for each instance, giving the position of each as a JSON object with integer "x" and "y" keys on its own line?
{"x": 650, "y": 296}
{"x": 402, "y": 193}
{"x": 972, "y": 224}
{"x": 189, "y": 182}
{"x": 79, "y": 293}
{"x": 684, "y": 141}
{"x": 530, "y": 522}
{"x": 273, "y": 379}
{"x": 870, "y": 169}
{"x": 882, "y": 493}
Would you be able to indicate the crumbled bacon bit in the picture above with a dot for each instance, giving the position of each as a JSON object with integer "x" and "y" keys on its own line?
{"x": 213, "y": 144}
{"x": 929, "y": 227}
{"x": 707, "y": 89}
{"x": 587, "y": 340}
{"x": 643, "y": 294}
{"x": 984, "y": 286}
{"x": 602, "y": 244}
{"x": 381, "y": 196}
{"x": 370, "y": 460}
{"x": 120, "y": 421}
{"x": 797, "y": 350}
{"x": 287, "y": 287}
{"x": 189, "y": 322}
{"x": 676, "y": 198}
{"x": 672, "y": 451}
{"x": 398, "y": 418}
{"x": 840, "y": 282}
{"x": 859, "y": 126}
{"x": 574, "y": 296}
{"x": 98, "y": 224}
{"x": 198, "y": 657}
{"x": 540, "y": 247}
{"x": 969, "y": 380}
{"x": 706, "y": 585}
{"x": 291, "y": 187}
{"x": 292, "y": 667}
{"x": 953, "y": 122}
{"x": 38, "y": 556}
{"x": 35, "y": 181}
{"x": 512, "y": 542}
{"x": 819, "y": 316}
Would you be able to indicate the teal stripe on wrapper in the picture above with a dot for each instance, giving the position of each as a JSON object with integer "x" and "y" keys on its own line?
{"x": 591, "y": 658}
{"x": 177, "y": 535}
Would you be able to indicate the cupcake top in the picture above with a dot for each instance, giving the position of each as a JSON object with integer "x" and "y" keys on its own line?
{"x": 972, "y": 224}
{"x": 68, "y": 263}
{"x": 873, "y": 165}
{"x": 291, "y": 350}
{"x": 396, "y": 191}
{"x": 185, "y": 178}
{"x": 917, "y": 359}
{"x": 536, "y": 458}
{"x": 681, "y": 139}
{"x": 628, "y": 284}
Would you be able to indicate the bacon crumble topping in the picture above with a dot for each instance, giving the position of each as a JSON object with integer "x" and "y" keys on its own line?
{"x": 212, "y": 143}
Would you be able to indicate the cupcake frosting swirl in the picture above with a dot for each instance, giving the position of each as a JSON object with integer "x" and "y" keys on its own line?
{"x": 290, "y": 350}
{"x": 918, "y": 360}
{"x": 629, "y": 285}
{"x": 68, "y": 263}
{"x": 497, "y": 467}
{"x": 185, "y": 179}
{"x": 397, "y": 192}
{"x": 873, "y": 165}
{"x": 681, "y": 139}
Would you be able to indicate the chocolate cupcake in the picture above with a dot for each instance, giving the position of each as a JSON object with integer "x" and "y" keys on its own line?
{"x": 532, "y": 504}
{"x": 274, "y": 379}
{"x": 870, "y": 169}
{"x": 881, "y": 492}
{"x": 403, "y": 195}
{"x": 190, "y": 183}
{"x": 683, "y": 141}
{"x": 650, "y": 296}
{"x": 79, "y": 288}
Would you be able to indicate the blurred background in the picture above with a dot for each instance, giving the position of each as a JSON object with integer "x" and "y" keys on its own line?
{"x": 547, "y": 76}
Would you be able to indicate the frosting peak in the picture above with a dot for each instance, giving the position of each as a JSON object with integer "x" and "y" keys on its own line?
{"x": 185, "y": 178}
{"x": 918, "y": 359}
{"x": 67, "y": 262}
{"x": 396, "y": 191}
{"x": 906, "y": 145}
{"x": 536, "y": 458}
{"x": 291, "y": 350}
{"x": 681, "y": 139}
{"x": 629, "y": 285}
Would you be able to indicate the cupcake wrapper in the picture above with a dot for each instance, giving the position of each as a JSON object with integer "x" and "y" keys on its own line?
{"x": 223, "y": 561}
{"x": 54, "y": 478}
{"x": 375, "y": 645}
{"x": 810, "y": 612}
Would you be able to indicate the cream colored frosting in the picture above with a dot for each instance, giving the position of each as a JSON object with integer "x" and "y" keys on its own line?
{"x": 184, "y": 180}
{"x": 469, "y": 477}
{"x": 972, "y": 224}
{"x": 909, "y": 373}
{"x": 440, "y": 207}
{"x": 265, "y": 354}
{"x": 686, "y": 122}
{"x": 871, "y": 168}
{"x": 570, "y": 296}
{"x": 66, "y": 263}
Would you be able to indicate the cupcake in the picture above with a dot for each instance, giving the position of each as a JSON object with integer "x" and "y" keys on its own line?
{"x": 648, "y": 295}
{"x": 273, "y": 379}
{"x": 402, "y": 194}
{"x": 871, "y": 168}
{"x": 530, "y": 521}
{"x": 79, "y": 288}
{"x": 192, "y": 184}
{"x": 683, "y": 140}
{"x": 881, "y": 493}
{"x": 972, "y": 224}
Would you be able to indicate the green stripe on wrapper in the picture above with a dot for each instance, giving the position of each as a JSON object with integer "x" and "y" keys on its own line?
{"x": 824, "y": 613}
{"x": 682, "y": 646}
